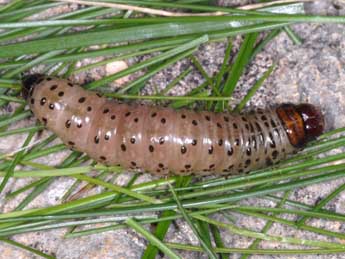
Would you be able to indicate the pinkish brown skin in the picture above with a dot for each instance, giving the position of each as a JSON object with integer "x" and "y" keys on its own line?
{"x": 155, "y": 139}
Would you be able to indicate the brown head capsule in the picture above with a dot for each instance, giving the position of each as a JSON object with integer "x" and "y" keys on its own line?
{"x": 303, "y": 122}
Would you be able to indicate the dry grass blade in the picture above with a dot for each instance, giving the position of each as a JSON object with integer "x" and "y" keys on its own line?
{"x": 140, "y": 9}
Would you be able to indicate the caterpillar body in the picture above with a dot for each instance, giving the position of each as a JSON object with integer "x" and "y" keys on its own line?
{"x": 166, "y": 141}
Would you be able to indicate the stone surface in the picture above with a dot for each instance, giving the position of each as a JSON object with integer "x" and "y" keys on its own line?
{"x": 313, "y": 72}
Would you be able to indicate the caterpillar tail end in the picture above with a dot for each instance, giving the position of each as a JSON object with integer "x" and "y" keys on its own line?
{"x": 303, "y": 122}
{"x": 29, "y": 82}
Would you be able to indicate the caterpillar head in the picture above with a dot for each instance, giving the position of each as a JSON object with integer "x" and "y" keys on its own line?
{"x": 29, "y": 82}
{"x": 303, "y": 122}
{"x": 313, "y": 120}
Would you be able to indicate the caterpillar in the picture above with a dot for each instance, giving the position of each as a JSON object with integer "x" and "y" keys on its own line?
{"x": 165, "y": 141}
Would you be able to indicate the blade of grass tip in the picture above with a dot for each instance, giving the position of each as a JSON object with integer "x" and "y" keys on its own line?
{"x": 151, "y": 238}
{"x": 253, "y": 90}
{"x": 206, "y": 246}
{"x": 322, "y": 203}
{"x": 292, "y": 35}
{"x": 163, "y": 226}
{"x": 208, "y": 79}
{"x": 242, "y": 59}
{"x": 270, "y": 36}
{"x": 9, "y": 173}
{"x": 27, "y": 248}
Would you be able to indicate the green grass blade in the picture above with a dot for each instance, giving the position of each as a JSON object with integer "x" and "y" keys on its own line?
{"x": 151, "y": 238}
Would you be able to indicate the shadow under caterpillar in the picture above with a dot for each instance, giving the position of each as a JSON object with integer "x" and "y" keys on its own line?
{"x": 165, "y": 141}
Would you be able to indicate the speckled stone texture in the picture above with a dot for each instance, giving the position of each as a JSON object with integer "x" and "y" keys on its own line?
{"x": 313, "y": 72}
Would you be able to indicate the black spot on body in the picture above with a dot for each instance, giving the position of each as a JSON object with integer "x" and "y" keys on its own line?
{"x": 194, "y": 142}
{"x": 207, "y": 118}
{"x": 96, "y": 139}
{"x": 53, "y": 87}
{"x": 210, "y": 150}
{"x": 194, "y": 122}
{"x": 70, "y": 84}
{"x": 160, "y": 165}
{"x": 161, "y": 140}
{"x": 247, "y": 163}
{"x": 271, "y": 140}
{"x": 220, "y": 142}
{"x": 187, "y": 166}
{"x": 226, "y": 119}
{"x": 32, "y": 101}
{"x": 43, "y": 101}
{"x": 230, "y": 151}
{"x": 275, "y": 154}
{"x": 132, "y": 140}
{"x": 153, "y": 114}
{"x": 68, "y": 123}
{"x": 89, "y": 108}
{"x": 106, "y": 110}
{"x": 71, "y": 143}
{"x": 133, "y": 163}
{"x": 82, "y": 99}
{"x": 51, "y": 106}
{"x": 44, "y": 120}
{"x": 183, "y": 149}
{"x": 127, "y": 114}
{"x": 151, "y": 148}
{"x": 235, "y": 126}
{"x": 269, "y": 161}
{"x": 113, "y": 117}
{"x": 219, "y": 125}
{"x": 274, "y": 125}
{"x": 103, "y": 158}
{"x": 79, "y": 125}
{"x": 163, "y": 120}
{"x": 183, "y": 116}
{"x": 61, "y": 94}
{"x": 136, "y": 120}
{"x": 123, "y": 147}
